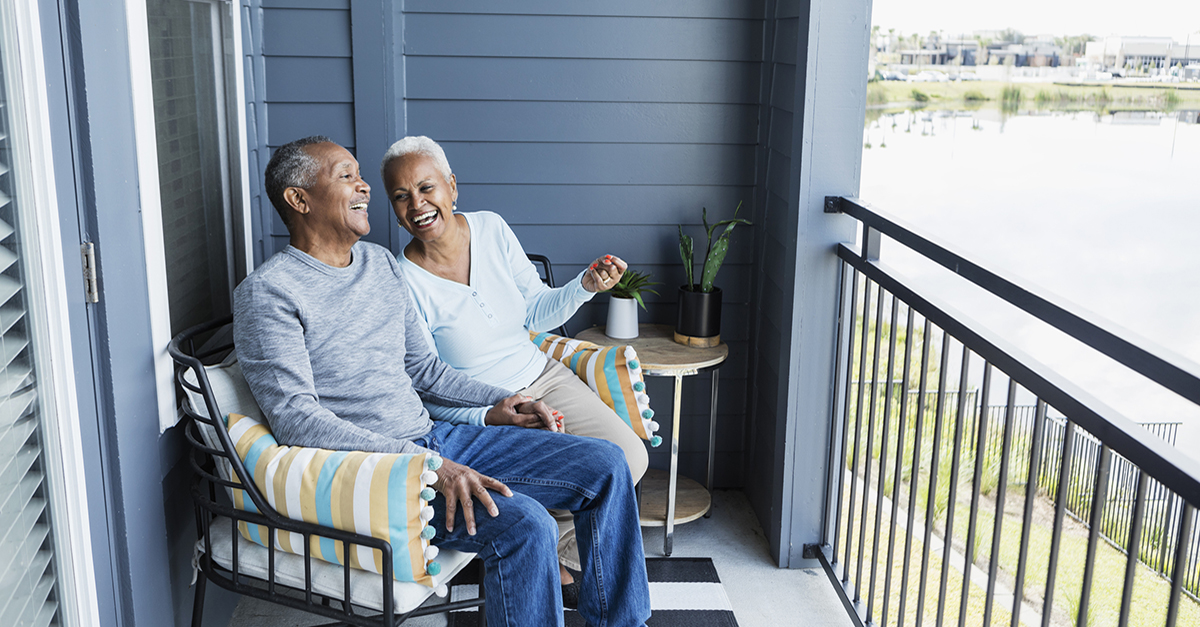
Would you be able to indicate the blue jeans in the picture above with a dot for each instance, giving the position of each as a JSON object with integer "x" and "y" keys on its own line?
{"x": 519, "y": 547}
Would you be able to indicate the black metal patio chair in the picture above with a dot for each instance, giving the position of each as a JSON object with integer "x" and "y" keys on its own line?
{"x": 547, "y": 276}
{"x": 224, "y": 557}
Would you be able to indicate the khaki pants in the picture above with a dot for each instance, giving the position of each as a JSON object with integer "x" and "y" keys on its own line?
{"x": 586, "y": 415}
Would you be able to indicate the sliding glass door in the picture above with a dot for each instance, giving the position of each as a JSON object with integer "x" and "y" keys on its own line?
{"x": 41, "y": 493}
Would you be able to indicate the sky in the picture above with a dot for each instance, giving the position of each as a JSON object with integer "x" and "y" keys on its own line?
{"x": 1161, "y": 18}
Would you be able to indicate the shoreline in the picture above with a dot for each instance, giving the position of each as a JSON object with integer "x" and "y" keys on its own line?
{"x": 1076, "y": 96}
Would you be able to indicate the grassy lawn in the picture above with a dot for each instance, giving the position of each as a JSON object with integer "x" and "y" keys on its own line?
{"x": 1150, "y": 597}
{"x": 1151, "y": 592}
{"x": 980, "y": 93}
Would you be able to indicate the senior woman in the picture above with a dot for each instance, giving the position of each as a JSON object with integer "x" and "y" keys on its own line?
{"x": 480, "y": 296}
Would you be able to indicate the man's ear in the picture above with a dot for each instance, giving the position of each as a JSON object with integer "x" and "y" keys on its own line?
{"x": 295, "y": 198}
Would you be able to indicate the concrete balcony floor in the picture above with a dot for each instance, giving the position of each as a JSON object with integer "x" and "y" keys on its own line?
{"x": 762, "y": 594}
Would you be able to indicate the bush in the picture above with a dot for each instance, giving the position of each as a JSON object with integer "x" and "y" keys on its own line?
{"x": 919, "y": 96}
{"x": 876, "y": 95}
{"x": 974, "y": 95}
{"x": 1171, "y": 99}
{"x": 1010, "y": 98}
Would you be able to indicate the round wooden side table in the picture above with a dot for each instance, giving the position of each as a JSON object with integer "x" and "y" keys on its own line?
{"x": 661, "y": 356}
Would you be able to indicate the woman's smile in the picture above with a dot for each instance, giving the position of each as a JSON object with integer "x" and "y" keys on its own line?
{"x": 425, "y": 218}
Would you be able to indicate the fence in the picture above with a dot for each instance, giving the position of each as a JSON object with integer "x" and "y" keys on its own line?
{"x": 936, "y": 515}
{"x": 1163, "y": 509}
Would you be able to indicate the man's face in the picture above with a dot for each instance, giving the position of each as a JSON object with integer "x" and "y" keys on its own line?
{"x": 337, "y": 200}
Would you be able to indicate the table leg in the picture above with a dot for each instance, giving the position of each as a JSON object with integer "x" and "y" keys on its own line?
{"x": 712, "y": 436}
{"x": 668, "y": 539}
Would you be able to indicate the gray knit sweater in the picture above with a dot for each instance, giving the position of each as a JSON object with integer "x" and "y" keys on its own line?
{"x": 335, "y": 356}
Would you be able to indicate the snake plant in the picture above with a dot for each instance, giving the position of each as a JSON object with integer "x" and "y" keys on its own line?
{"x": 714, "y": 253}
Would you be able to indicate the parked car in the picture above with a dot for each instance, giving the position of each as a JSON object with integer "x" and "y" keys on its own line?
{"x": 929, "y": 77}
{"x": 968, "y": 76}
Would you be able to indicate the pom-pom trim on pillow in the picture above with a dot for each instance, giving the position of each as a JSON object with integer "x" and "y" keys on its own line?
{"x": 384, "y": 496}
{"x": 612, "y": 372}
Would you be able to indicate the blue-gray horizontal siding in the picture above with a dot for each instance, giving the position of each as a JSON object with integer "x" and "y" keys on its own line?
{"x": 583, "y": 37}
{"x": 597, "y": 130}
{"x": 604, "y": 164}
{"x": 598, "y": 122}
{"x": 596, "y": 80}
{"x": 771, "y": 314}
{"x": 602, "y": 205}
{"x": 747, "y": 9}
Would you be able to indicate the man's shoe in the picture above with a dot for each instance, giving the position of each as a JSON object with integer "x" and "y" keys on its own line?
{"x": 570, "y": 595}
{"x": 570, "y": 591}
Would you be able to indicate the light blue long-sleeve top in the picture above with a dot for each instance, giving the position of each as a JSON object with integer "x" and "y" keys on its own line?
{"x": 482, "y": 329}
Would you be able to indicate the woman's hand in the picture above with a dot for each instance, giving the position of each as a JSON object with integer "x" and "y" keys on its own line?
{"x": 458, "y": 484}
{"x": 604, "y": 273}
{"x": 523, "y": 411}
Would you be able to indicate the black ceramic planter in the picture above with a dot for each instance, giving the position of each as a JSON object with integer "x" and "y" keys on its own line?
{"x": 699, "y": 321}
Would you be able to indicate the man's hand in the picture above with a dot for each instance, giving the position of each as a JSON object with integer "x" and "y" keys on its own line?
{"x": 523, "y": 411}
{"x": 458, "y": 484}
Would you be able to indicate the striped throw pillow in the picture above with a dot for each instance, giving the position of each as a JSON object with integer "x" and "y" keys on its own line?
{"x": 376, "y": 494}
{"x": 613, "y": 373}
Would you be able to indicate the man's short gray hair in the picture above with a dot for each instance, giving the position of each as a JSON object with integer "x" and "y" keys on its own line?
{"x": 292, "y": 166}
{"x": 417, "y": 145}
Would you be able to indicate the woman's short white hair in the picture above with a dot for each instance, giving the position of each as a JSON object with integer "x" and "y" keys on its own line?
{"x": 416, "y": 145}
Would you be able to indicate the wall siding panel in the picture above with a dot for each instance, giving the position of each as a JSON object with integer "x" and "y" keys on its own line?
{"x": 601, "y": 122}
{"x": 603, "y": 164}
{"x": 293, "y": 120}
{"x": 289, "y": 32}
{"x": 598, "y": 80}
{"x": 747, "y": 9}
{"x": 289, "y": 79}
{"x": 603, "y": 204}
{"x": 584, "y": 37}
{"x": 770, "y": 317}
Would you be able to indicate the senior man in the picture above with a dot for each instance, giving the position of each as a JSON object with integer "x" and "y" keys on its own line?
{"x": 331, "y": 347}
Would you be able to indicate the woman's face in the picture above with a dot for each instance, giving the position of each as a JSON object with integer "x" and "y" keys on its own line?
{"x": 422, "y": 199}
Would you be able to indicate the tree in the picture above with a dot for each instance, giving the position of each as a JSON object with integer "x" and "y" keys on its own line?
{"x": 1012, "y": 36}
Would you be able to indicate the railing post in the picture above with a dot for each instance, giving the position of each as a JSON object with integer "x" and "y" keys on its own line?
{"x": 1099, "y": 501}
{"x": 872, "y": 241}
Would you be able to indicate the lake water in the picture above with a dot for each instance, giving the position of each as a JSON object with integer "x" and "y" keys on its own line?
{"x": 1100, "y": 209}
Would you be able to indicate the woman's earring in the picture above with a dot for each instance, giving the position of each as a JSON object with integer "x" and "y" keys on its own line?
{"x": 399, "y": 223}
{"x": 454, "y": 206}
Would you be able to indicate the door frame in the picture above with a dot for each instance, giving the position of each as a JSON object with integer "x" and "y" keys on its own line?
{"x": 63, "y": 444}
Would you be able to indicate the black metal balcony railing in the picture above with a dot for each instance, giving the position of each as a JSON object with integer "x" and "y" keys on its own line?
{"x": 947, "y": 508}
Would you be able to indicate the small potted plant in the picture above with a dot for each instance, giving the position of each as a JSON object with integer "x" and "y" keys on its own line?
{"x": 699, "y": 321}
{"x": 622, "y": 307}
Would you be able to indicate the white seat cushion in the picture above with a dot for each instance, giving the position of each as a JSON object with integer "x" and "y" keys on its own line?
{"x": 233, "y": 396}
{"x": 365, "y": 588}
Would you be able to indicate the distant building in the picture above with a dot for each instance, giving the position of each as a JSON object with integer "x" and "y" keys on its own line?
{"x": 1039, "y": 51}
{"x": 1145, "y": 54}
{"x": 948, "y": 52}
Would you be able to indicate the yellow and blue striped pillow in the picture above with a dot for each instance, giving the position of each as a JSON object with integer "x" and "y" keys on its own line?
{"x": 613, "y": 373}
{"x": 385, "y": 496}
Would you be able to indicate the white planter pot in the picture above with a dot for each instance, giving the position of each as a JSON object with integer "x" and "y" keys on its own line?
{"x": 622, "y": 318}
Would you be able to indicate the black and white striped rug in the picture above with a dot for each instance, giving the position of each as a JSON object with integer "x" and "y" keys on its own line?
{"x": 684, "y": 592}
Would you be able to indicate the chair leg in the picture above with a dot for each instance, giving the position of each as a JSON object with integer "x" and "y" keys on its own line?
{"x": 198, "y": 603}
{"x": 482, "y": 613}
